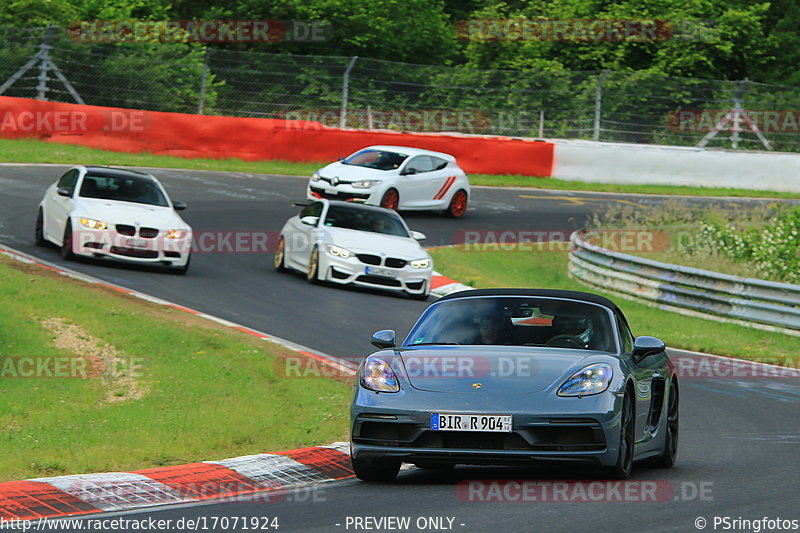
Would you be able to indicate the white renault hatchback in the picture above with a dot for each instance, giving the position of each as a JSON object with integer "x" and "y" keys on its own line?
{"x": 395, "y": 177}
{"x": 116, "y": 214}
{"x": 343, "y": 242}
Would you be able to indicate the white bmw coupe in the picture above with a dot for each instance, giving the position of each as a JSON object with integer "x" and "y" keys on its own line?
{"x": 395, "y": 177}
{"x": 116, "y": 214}
{"x": 343, "y": 242}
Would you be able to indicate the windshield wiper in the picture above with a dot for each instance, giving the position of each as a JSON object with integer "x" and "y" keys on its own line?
{"x": 433, "y": 343}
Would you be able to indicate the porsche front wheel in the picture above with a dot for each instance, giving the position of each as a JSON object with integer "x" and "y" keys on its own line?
{"x": 622, "y": 469}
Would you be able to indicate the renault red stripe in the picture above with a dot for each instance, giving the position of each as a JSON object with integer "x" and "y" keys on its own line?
{"x": 445, "y": 188}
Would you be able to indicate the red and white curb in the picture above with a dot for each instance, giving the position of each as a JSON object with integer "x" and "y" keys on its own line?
{"x": 267, "y": 476}
{"x": 442, "y": 285}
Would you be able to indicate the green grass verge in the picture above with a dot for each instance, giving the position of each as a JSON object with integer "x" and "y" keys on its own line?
{"x": 548, "y": 269}
{"x": 188, "y": 389}
{"x": 33, "y": 151}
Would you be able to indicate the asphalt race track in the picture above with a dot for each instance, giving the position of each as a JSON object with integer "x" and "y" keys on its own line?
{"x": 739, "y": 437}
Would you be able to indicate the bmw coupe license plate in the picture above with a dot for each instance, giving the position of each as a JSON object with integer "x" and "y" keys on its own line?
{"x": 458, "y": 422}
{"x": 379, "y": 272}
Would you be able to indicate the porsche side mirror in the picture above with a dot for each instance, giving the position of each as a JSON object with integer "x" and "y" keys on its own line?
{"x": 383, "y": 339}
{"x": 309, "y": 220}
{"x": 644, "y": 346}
{"x": 418, "y": 236}
{"x": 65, "y": 191}
{"x": 179, "y": 206}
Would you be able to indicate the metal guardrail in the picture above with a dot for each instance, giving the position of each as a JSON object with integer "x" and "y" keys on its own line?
{"x": 747, "y": 300}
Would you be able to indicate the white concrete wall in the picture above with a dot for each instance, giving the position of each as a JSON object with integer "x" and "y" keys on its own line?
{"x": 675, "y": 165}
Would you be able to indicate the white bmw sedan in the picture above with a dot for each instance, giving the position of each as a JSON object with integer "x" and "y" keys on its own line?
{"x": 395, "y": 177}
{"x": 116, "y": 214}
{"x": 344, "y": 242}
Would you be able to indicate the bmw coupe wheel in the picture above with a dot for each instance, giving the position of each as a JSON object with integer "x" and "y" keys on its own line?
{"x": 624, "y": 465}
{"x": 391, "y": 199}
{"x": 39, "y": 236}
{"x": 66, "y": 242}
{"x": 375, "y": 470}
{"x": 313, "y": 266}
{"x": 279, "y": 258}
{"x": 458, "y": 204}
{"x": 670, "y": 450}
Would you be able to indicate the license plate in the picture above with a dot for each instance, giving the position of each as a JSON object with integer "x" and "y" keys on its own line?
{"x": 137, "y": 243}
{"x": 379, "y": 272}
{"x": 459, "y": 422}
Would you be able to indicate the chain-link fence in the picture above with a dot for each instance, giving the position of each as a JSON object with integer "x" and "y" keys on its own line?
{"x": 639, "y": 107}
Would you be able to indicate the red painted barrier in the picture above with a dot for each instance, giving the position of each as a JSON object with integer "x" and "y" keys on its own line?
{"x": 251, "y": 139}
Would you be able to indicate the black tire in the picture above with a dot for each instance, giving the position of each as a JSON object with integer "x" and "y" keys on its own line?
{"x": 458, "y": 204}
{"x": 66, "y": 242}
{"x": 375, "y": 470}
{"x": 391, "y": 199}
{"x": 670, "y": 450}
{"x": 279, "y": 259}
{"x": 313, "y": 266}
{"x": 624, "y": 466}
{"x": 39, "y": 234}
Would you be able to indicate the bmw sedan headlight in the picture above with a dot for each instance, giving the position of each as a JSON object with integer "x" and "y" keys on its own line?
{"x": 338, "y": 251}
{"x": 364, "y": 184}
{"x": 315, "y": 176}
{"x": 93, "y": 224}
{"x": 377, "y": 375}
{"x": 175, "y": 233}
{"x": 592, "y": 379}
{"x": 420, "y": 263}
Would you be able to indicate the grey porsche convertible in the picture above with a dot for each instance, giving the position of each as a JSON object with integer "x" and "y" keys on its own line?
{"x": 515, "y": 377}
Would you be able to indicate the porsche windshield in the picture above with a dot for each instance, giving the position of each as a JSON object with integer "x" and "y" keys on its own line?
{"x": 515, "y": 321}
{"x": 362, "y": 219}
{"x": 123, "y": 189}
{"x": 377, "y": 159}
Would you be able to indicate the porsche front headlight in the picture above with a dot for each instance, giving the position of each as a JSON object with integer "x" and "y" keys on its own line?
{"x": 377, "y": 375}
{"x": 592, "y": 379}
{"x": 93, "y": 224}
{"x": 420, "y": 263}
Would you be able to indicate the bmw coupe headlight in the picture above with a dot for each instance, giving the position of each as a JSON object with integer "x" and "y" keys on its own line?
{"x": 420, "y": 263}
{"x": 175, "y": 234}
{"x": 93, "y": 224}
{"x": 589, "y": 380}
{"x": 315, "y": 176}
{"x": 377, "y": 375}
{"x": 338, "y": 251}
{"x": 364, "y": 184}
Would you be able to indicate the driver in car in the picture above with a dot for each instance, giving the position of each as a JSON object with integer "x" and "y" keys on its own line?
{"x": 571, "y": 332}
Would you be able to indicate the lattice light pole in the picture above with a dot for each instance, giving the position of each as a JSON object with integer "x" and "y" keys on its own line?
{"x": 737, "y": 116}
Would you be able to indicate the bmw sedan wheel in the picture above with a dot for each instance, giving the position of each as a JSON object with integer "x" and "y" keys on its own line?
{"x": 280, "y": 256}
{"x": 66, "y": 242}
{"x": 624, "y": 465}
{"x": 313, "y": 266}
{"x": 458, "y": 204}
{"x": 670, "y": 450}
{"x": 375, "y": 470}
{"x": 39, "y": 236}
{"x": 391, "y": 199}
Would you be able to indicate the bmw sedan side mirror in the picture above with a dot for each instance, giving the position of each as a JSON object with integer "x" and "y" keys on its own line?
{"x": 383, "y": 339}
{"x": 179, "y": 206}
{"x": 65, "y": 191}
{"x": 310, "y": 221}
{"x": 644, "y": 346}
{"x": 418, "y": 236}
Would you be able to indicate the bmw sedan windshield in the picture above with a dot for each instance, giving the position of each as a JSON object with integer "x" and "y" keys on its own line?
{"x": 362, "y": 219}
{"x": 122, "y": 189}
{"x": 546, "y": 322}
{"x": 377, "y": 159}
